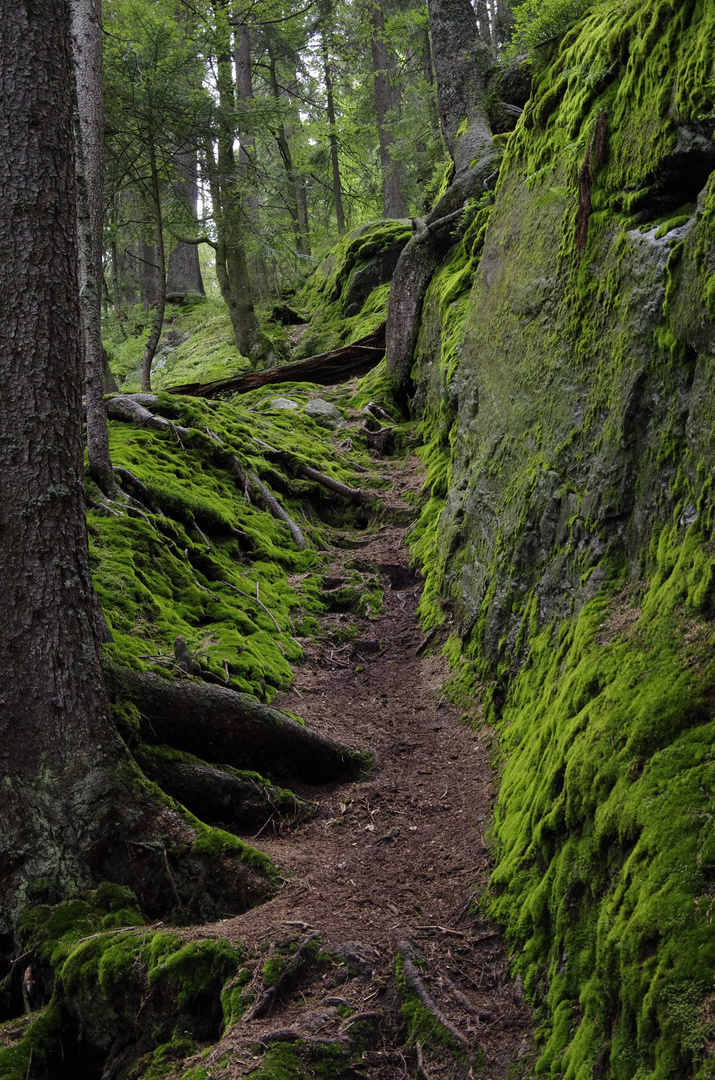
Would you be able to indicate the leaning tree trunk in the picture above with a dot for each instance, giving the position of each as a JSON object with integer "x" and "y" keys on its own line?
{"x": 462, "y": 65}
{"x": 87, "y": 55}
{"x": 393, "y": 200}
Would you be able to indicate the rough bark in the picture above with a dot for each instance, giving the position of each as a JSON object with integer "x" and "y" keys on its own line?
{"x": 297, "y": 208}
{"x": 87, "y": 56}
{"x": 394, "y": 202}
{"x": 328, "y": 368}
{"x": 462, "y": 63}
{"x": 334, "y": 160}
{"x": 183, "y": 276}
{"x": 73, "y": 805}
{"x": 230, "y": 727}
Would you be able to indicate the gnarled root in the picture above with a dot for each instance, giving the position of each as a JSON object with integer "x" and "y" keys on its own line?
{"x": 227, "y": 726}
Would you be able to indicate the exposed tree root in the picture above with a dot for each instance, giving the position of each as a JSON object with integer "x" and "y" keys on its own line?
{"x": 278, "y": 512}
{"x": 414, "y": 984}
{"x": 227, "y": 726}
{"x": 265, "y": 999}
{"x": 219, "y": 795}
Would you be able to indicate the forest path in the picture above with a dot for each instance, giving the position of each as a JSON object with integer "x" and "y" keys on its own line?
{"x": 395, "y": 858}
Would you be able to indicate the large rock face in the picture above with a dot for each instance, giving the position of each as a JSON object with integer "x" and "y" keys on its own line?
{"x": 570, "y": 428}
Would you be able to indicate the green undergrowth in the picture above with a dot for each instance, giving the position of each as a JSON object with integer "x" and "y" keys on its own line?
{"x": 201, "y": 561}
{"x": 605, "y": 877}
{"x": 349, "y": 276}
{"x": 197, "y": 345}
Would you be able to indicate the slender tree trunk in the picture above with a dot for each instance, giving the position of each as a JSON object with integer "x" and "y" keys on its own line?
{"x": 337, "y": 184}
{"x": 158, "y": 323}
{"x": 292, "y": 187}
{"x": 247, "y": 153}
{"x": 231, "y": 264}
{"x": 393, "y": 200}
{"x": 183, "y": 276}
{"x": 89, "y": 134}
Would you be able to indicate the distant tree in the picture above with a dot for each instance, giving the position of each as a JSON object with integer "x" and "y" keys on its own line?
{"x": 394, "y": 202}
{"x": 89, "y": 134}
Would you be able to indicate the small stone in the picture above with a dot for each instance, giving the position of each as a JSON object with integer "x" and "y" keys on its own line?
{"x": 324, "y": 413}
{"x": 284, "y": 403}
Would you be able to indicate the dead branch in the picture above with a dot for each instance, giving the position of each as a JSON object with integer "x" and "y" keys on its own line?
{"x": 278, "y": 512}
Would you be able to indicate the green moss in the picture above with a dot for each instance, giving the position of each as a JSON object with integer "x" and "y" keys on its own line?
{"x": 324, "y": 294}
{"x": 25, "y": 1058}
{"x": 215, "y": 845}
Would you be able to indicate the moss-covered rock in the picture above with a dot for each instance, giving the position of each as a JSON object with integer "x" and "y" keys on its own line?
{"x": 569, "y": 437}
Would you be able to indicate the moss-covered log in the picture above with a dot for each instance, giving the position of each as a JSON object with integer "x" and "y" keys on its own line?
{"x": 227, "y": 726}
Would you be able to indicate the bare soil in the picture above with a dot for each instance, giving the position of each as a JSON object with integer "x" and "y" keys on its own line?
{"x": 393, "y": 862}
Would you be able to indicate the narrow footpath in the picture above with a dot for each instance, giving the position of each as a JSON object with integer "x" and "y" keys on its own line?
{"x": 389, "y": 866}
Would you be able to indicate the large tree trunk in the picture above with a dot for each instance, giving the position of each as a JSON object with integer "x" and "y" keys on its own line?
{"x": 58, "y": 746}
{"x": 393, "y": 200}
{"x": 87, "y": 54}
{"x": 463, "y": 64}
{"x": 72, "y": 803}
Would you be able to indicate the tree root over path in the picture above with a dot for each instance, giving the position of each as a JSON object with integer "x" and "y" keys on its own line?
{"x": 224, "y": 725}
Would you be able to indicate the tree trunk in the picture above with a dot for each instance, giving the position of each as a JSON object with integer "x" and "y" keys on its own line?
{"x": 87, "y": 55}
{"x": 158, "y": 323}
{"x": 184, "y": 272}
{"x": 292, "y": 181}
{"x": 393, "y": 200}
{"x": 73, "y": 805}
{"x": 337, "y": 184}
{"x": 231, "y": 264}
{"x": 462, "y": 63}
{"x": 247, "y": 151}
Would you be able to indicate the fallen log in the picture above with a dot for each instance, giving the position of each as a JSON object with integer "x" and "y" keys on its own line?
{"x": 218, "y": 724}
{"x": 335, "y": 366}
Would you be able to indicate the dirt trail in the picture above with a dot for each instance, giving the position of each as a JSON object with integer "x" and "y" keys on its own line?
{"x": 396, "y": 858}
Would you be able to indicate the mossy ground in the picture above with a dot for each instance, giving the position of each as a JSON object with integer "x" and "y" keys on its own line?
{"x": 205, "y": 563}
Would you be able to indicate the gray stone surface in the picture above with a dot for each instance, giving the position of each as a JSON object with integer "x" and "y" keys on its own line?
{"x": 324, "y": 413}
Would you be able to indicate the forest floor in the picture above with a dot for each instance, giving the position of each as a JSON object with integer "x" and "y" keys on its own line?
{"x": 389, "y": 867}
